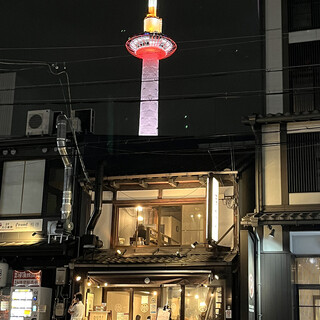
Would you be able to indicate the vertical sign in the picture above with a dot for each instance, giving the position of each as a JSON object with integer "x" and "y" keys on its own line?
{"x": 212, "y": 232}
{"x": 251, "y": 279}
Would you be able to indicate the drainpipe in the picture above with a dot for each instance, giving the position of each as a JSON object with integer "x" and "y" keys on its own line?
{"x": 65, "y": 223}
{"x": 89, "y": 240}
{"x": 98, "y": 193}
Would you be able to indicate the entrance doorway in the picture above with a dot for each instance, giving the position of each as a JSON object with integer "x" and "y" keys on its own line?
{"x": 133, "y": 303}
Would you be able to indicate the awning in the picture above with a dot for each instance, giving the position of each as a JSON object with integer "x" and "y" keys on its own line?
{"x": 150, "y": 278}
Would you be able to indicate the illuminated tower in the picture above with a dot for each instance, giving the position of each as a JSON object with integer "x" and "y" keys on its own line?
{"x": 150, "y": 46}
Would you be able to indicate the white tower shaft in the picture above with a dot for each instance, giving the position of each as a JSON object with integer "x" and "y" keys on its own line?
{"x": 148, "y": 124}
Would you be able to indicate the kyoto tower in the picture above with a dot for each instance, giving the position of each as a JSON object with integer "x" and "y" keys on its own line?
{"x": 150, "y": 46}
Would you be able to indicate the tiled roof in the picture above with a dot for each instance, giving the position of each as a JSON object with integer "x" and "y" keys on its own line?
{"x": 109, "y": 257}
{"x": 282, "y": 117}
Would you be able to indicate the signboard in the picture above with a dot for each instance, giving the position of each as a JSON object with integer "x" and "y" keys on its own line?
{"x": 213, "y": 208}
{"x": 163, "y": 314}
{"x": 251, "y": 279}
{"x": 29, "y": 225}
{"x": 122, "y": 316}
{"x": 26, "y": 278}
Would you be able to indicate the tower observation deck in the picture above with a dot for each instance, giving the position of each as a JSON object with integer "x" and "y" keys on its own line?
{"x": 150, "y": 46}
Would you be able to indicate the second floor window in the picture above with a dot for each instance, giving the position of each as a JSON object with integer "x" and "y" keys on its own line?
{"x": 22, "y": 187}
{"x": 304, "y": 59}
{"x": 165, "y": 225}
{"x": 303, "y": 14}
{"x": 304, "y": 162}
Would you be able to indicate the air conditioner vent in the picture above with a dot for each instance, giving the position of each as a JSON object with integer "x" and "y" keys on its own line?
{"x": 39, "y": 122}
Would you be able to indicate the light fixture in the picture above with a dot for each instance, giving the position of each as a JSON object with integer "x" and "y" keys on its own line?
{"x": 216, "y": 277}
{"x": 13, "y": 152}
{"x": 140, "y": 218}
{"x": 78, "y": 278}
{"x": 5, "y": 152}
{"x": 44, "y": 150}
{"x": 199, "y": 215}
{"x": 196, "y": 296}
{"x": 139, "y": 208}
{"x": 271, "y": 234}
{"x": 106, "y": 284}
{"x": 89, "y": 283}
{"x": 147, "y": 280}
{"x": 193, "y": 245}
{"x": 191, "y": 216}
{"x": 121, "y": 253}
{"x": 155, "y": 293}
{"x": 98, "y": 286}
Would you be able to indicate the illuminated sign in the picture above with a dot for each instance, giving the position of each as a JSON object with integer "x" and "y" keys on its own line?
{"x": 213, "y": 208}
{"x": 30, "y": 225}
{"x": 26, "y": 278}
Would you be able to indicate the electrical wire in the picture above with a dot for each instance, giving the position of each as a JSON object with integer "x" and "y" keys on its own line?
{"x": 198, "y": 96}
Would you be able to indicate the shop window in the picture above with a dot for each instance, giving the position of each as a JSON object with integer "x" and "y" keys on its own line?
{"x": 145, "y": 304}
{"x": 161, "y": 225}
{"x": 204, "y": 303}
{"x": 308, "y": 287}
{"x": 118, "y": 303}
{"x": 171, "y": 296}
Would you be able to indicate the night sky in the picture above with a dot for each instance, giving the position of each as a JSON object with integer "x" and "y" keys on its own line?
{"x": 195, "y": 25}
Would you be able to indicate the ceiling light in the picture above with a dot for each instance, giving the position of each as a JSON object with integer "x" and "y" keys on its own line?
{"x": 140, "y": 218}
{"x": 13, "y": 152}
{"x": 139, "y": 209}
{"x": 196, "y": 296}
{"x": 216, "y": 277}
{"x": 155, "y": 293}
{"x": 5, "y": 152}
{"x": 106, "y": 284}
{"x": 199, "y": 215}
{"x": 89, "y": 283}
{"x": 78, "y": 278}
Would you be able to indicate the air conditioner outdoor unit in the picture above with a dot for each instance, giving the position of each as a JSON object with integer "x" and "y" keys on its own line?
{"x": 39, "y": 122}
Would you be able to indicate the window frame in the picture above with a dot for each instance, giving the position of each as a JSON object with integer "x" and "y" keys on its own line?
{"x": 155, "y": 203}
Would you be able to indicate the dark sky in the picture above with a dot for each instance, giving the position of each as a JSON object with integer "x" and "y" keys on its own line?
{"x": 106, "y": 25}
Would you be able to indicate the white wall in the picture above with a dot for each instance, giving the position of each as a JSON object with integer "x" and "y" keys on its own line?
{"x": 271, "y": 164}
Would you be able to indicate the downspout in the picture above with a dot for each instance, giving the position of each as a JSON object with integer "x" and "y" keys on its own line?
{"x": 65, "y": 223}
{"x": 97, "y": 200}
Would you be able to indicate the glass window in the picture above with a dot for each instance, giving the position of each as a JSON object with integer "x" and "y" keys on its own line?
{"x": 118, "y": 303}
{"x": 161, "y": 225}
{"x": 171, "y": 296}
{"x": 309, "y": 304}
{"x": 308, "y": 270}
{"x": 145, "y": 304}
{"x": 199, "y": 303}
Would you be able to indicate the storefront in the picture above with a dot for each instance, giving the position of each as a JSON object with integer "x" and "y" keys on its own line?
{"x": 169, "y": 247}
{"x": 127, "y": 290}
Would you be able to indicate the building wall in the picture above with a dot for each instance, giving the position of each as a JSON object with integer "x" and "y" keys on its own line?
{"x": 276, "y": 293}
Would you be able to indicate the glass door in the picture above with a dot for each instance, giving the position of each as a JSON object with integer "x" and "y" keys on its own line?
{"x": 118, "y": 302}
{"x": 145, "y": 303}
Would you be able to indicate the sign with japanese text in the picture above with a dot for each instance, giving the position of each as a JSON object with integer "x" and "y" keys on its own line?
{"x": 26, "y": 278}
{"x": 30, "y": 225}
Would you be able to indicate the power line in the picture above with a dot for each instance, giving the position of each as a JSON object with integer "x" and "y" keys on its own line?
{"x": 210, "y": 95}
{"x": 183, "y": 77}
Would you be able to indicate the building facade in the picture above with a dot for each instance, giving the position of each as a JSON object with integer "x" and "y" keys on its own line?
{"x": 284, "y": 225}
